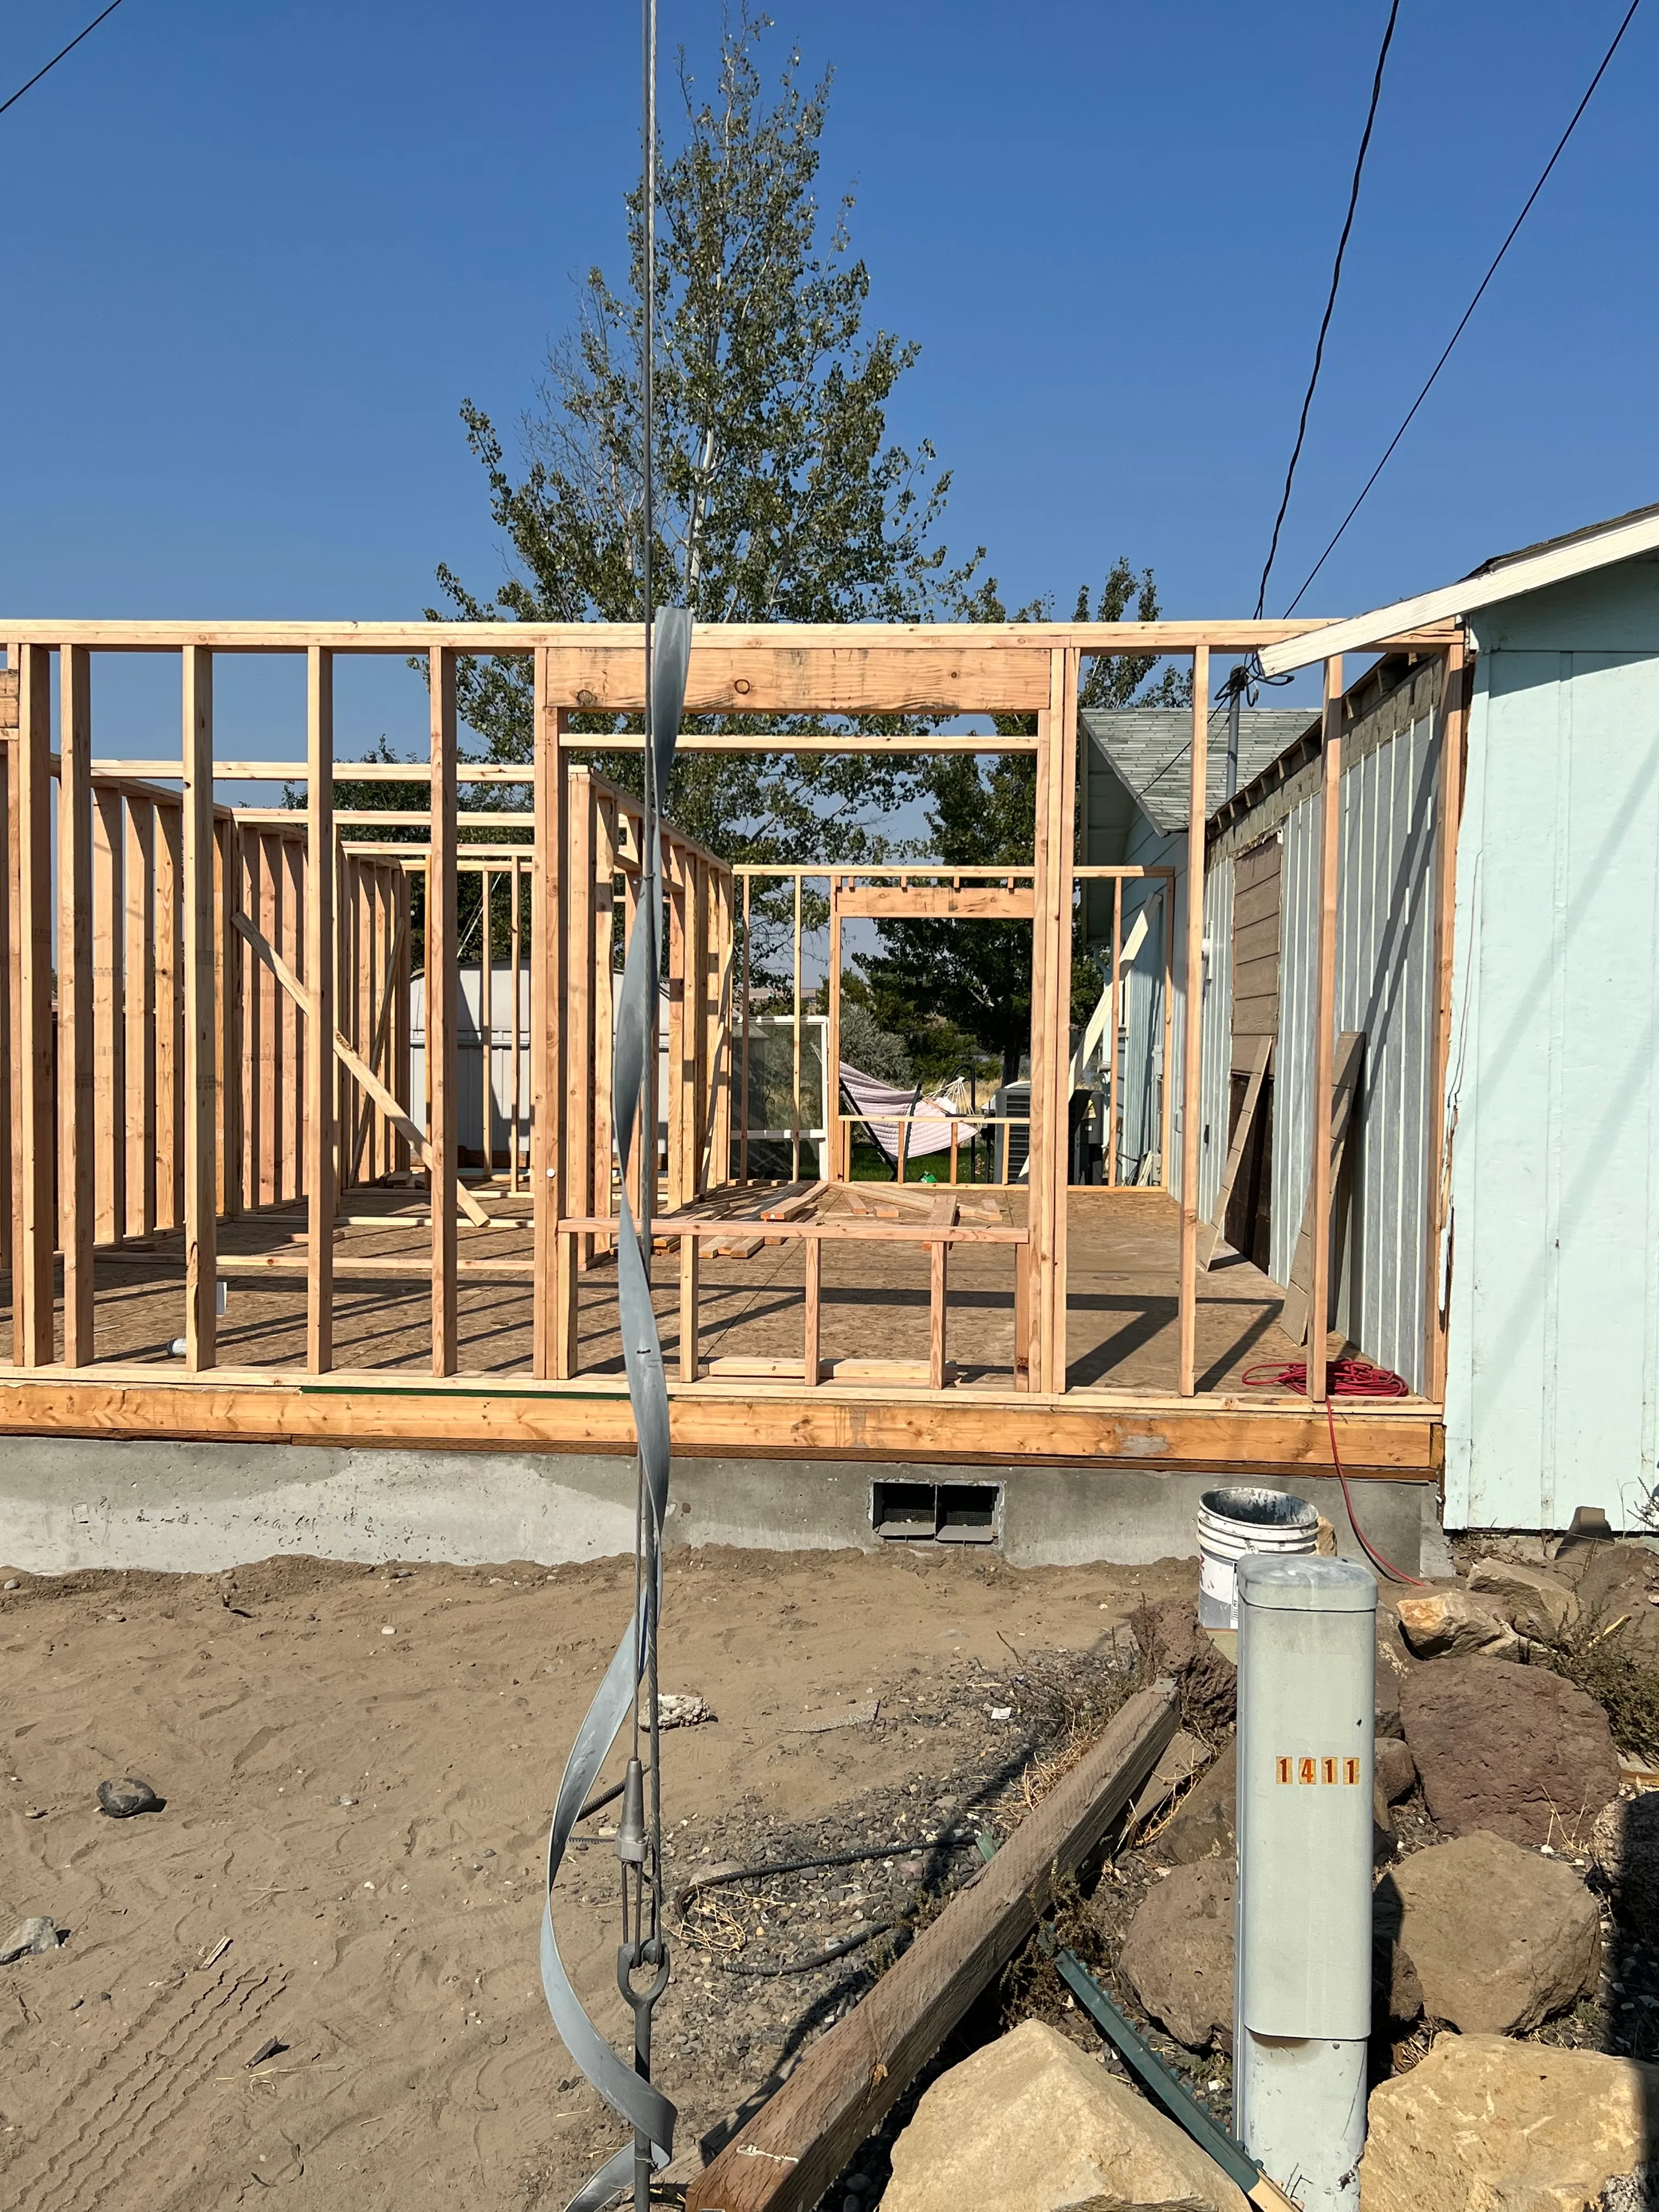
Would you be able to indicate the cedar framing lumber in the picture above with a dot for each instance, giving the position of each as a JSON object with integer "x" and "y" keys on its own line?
{"x": 786, "y": 2157}
{"x": 1330, "y": 851}
{"x": 1192, "y": 1068}
{"x": 442, "y": 994}
{"x": 1449, "y": 807}
{"x": 1209, "y": 1233}
{"x": 77, "y": 1111}
{"x": 321, "y": 1087}
{"x": 201, "y": 1045}
{"x": 35, "y": 1148}
{"x": 1344, "y": 1082}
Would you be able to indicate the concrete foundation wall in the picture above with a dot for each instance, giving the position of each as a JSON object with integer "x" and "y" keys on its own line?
{"x": 67, "y": 1503}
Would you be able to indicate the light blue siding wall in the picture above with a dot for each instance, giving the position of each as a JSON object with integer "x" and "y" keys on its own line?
{"x": 1384, "y": 985}
{"x": 1553, "y": 1388}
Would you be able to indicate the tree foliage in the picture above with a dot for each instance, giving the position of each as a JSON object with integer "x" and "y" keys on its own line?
{"x": 779, "y": 494}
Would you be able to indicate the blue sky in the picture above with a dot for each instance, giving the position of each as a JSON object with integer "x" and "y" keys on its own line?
{"x": 257, "y": 256}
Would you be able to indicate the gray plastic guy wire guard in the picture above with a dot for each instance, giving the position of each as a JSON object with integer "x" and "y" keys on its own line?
{"x": 645, "y": 2109}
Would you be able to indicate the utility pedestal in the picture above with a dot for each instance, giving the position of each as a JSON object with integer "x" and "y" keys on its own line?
{"x": 1302, "y": 2009}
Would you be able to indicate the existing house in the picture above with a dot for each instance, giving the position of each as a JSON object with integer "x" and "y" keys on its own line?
{"x": 1547, "y": 1255}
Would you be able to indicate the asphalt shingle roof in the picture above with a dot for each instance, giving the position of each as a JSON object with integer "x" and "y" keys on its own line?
{"x": 1147, "y": 749}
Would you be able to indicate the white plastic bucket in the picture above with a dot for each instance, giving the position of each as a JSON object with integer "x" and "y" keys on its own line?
{"x": 1233, "y": 1522}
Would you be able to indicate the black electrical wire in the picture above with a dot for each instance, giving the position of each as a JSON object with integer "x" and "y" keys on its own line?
{"x": 1463, "y": 320}
{"x": 722, "y": 1877}
{"x": 58, "y": 57}
{"x": 777, "y": 1972}
{"x": 1330, "y": 303}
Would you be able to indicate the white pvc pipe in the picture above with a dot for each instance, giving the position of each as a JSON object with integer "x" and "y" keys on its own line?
{"x": 1302, "y": 2006}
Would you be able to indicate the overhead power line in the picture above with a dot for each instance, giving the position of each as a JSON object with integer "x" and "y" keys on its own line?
{"x": 1498, "y": 256}
{"x": 1330, "y": 303}
{"x": 57, "y": 58}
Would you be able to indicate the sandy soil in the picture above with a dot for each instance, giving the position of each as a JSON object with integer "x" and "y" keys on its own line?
{"x": 350, "y": 1857}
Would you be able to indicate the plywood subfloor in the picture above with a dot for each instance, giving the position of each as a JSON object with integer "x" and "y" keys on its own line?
{"x": 1121, "y": 1315}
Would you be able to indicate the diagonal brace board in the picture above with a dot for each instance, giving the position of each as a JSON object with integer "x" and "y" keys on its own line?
{"x": 796, "y": 2144}
{"x": 1345, "y": 1086}
{"x": 1209, "y": 1232}
{"x": 358, "y": 1067}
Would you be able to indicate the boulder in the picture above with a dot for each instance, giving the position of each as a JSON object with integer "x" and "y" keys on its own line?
{"x": 1534, "y": 1602}
{"x": 1396, "y": 1992}
{"x": 1397, "y": 1769}
{"x": 1202, "y": 1827}
{"x": 1482, "y": 2124}
{"x": 1625, "y": 1846}
{"x": 1513, "y": 1749}
{"x": 29, "y": 1937}
{"x": 1178, "y": 1953}
{"x": 1031, "y": 2123}
{"x": 1500, "y": 1937}
{"x": 1451, "y": 1625}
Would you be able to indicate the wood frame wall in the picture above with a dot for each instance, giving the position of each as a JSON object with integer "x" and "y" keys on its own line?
{"x": 196, "y": 1165}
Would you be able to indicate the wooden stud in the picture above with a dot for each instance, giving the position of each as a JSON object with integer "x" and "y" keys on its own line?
{"x": 939, "y": 1253}
{"x": 812, "y": 1253}
{"x": 200, "y": 1023}
{"x": 1210, "y": 1231}
{"x": 1192, "y": 1073}
{"x": 516, "y": 1090}
{"x": 10, "y": 1152}
{"x": 578, "y": 1010}
{"x": 402, "y": 1021}
{"x": 794, "y": 1083}
{"x": 169, "y": 1016}
{"x": 719, "y": 1150}
{"x": 1166, "y": 1162}
{"x": 1330, "y": 842}
{"x": 1449, "y": 807}
{"x": 1063, "y": 859}
{"x": 270, "y": 1021}
{"x": 556, "y": 1297}
{"x": 441, "y": 1010}
{"x": 743, "y": 1069}
{"x": 139, "y": 963}
{"x": 1115, "y": 1032}
{"x": 689, "y": 1270}
{"x": 109, "y": 1016}
{"x": 321, "y": 1086}
{"x": 228, "y": 983}
{"x": 693, "y": 1026}
{"x": 604, "y": 1002}
{"x": 487, "y": 1019}
{"x": 290, "y": 1141}
{"x": 76, "y": 1123}
{"x": 32, "y": 1269}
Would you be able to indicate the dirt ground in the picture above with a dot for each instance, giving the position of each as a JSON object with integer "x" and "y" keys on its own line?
{"x": 358, "y": 1768}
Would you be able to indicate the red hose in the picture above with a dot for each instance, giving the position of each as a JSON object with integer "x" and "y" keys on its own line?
{"x": 1344, "y": 1379}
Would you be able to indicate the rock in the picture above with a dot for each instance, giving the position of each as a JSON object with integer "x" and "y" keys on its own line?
{"x": 122, "y": 1800}
{"x": 1451, "y": 1625}
{"x": 1534, "y": 1602}
{"x": 1031, "y": 2123}
{"x": 1202, "y": 1827}
{"x": 1482, "y": 2124}
{"x": 1625, "y": 1846}
{"x": 1513, "y": 1749}
{"x": 1172, "y": 1643}
{"x": 1500, "y": 1938}
{"x": 1385, "y": 1841}
{"x": 1178, "y": 1953}
{"x": 28, "y": 1937}
{"x": 1394, "y": 1658}
{"x": 1397, "y": 1769}
{"x": 1396, "y": 1992}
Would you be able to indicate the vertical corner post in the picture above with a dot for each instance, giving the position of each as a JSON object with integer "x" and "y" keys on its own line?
{"x": 34, "y": 1333}
{"x": 1330, "y": 843}
{"x": 77, "y": 1111}
{"x": 201, "y": 1048}
{"x": 1191, "y": 1069}
{"x": 321, "y": 1088}
{"x": 442, "y": 1009}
